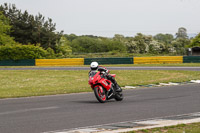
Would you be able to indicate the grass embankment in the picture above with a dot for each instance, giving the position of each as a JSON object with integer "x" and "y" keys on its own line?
{"x": 182, "y": 128}
{"x": 23, "y": 83}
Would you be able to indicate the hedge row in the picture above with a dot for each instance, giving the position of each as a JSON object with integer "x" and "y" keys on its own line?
{"x": 18, "y": 52}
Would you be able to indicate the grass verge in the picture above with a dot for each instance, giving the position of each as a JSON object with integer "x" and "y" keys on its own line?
{"x": 117, "y": 65}
{"x": 158, "y": 65}
{"x": 182, "y": 128}
{"x": 116, "y": 54}
{"x": 24, "y": 83}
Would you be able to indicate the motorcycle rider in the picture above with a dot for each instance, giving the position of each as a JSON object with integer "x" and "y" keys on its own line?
{"x": 94, "y": 66}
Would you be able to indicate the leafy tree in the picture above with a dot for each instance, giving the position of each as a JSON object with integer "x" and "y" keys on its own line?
{"x": 131, "y": 45}
{"x": 119, "y": 37}
{"x": 171, "y": 49}
{"x": 50, "y": 53}
{"x": 182, "y": 33}
{"x": 31, "y": 29}
{"x": 195, "y": 41}
{"x": 180, "y": 45}
{"x": 70, "y": 37}
{"x": 91, "y": 36}
{"x": 82, "y": 44}
{"x": 164, "y": 38}
{"x": 5, "y": 39}
{"x": 143, "y": 42}
{"x": 116, "y": 46}
{"x": 18, "y": 52}
{"x": 87, "y": 44}
{"x": 156, "y": 47}
{"x": 161, "y": 43}
{"x": 63, "y": 47}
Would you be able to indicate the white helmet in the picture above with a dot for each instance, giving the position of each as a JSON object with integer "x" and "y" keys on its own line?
{"x": 94, "y": 65}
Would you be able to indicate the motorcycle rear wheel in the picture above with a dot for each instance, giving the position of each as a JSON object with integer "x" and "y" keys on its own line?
{"x": 101, "y": 96}
{"x": 119, "y": 96}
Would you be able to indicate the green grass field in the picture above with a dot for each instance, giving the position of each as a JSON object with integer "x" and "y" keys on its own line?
{"x": 23, "y": 83}
{"x": 182, "y": 128}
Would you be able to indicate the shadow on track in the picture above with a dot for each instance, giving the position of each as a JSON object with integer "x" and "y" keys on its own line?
{"x": 93, "y": 102}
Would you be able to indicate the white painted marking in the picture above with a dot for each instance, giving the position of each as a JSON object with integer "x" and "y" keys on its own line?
{"x": 173, "y": 83}
{"x": 195, "y": 81}
{"x": 160, "y": 123}
{"x": 164, "y": 84}
{"x": 130, "y": 87}
{"x": 27, "y": 110}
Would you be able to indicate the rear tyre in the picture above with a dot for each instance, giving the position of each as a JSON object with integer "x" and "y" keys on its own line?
{"x": 119, "y": 96}
{"x": 100, "y": 94}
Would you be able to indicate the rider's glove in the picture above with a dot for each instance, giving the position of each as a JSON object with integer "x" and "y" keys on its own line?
{"x": 104, "y": 73}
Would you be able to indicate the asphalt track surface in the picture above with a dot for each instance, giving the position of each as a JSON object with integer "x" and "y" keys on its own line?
{"x": 61, "y": 112}
{"x": 110, "y": 68}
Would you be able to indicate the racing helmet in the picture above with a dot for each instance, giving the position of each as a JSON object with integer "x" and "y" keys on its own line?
{"x": 94, "y": 65}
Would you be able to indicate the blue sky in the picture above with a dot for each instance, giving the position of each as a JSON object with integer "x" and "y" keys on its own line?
{"x": 109, "y": 17}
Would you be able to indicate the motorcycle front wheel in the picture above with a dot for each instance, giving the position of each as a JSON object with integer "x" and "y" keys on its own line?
{"x": 100, "y": 94}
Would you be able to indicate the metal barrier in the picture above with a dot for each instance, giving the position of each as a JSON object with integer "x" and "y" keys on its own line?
{"x": 158, "y": 60}
{"x": 59, "y": 62}
{"x": 191, "y": 59}
{"x": 24, "y": 62}
{"x": 127, "y": 60}
{"x": 87, "y": 61}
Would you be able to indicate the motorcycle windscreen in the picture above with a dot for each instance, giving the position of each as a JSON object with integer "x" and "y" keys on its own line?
{"x": 92, "y": 73}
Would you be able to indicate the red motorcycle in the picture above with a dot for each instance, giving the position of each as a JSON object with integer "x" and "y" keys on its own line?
{"x": 103, "y": 88}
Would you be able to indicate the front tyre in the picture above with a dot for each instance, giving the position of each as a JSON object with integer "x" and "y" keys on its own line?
{"x": 100, "y": 94}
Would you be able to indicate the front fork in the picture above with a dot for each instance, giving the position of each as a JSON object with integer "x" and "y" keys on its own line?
{"x": 111, "y": 92}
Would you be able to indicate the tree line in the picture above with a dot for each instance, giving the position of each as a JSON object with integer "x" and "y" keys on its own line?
{"x": 25, "y": 36}
{"x": 140, "y": 43}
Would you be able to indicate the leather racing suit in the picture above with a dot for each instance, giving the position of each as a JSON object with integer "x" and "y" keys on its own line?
{"x": 105, "y": 71}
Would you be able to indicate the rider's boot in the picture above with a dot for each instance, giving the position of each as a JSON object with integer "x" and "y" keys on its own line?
{"x": 118, "y": 88}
